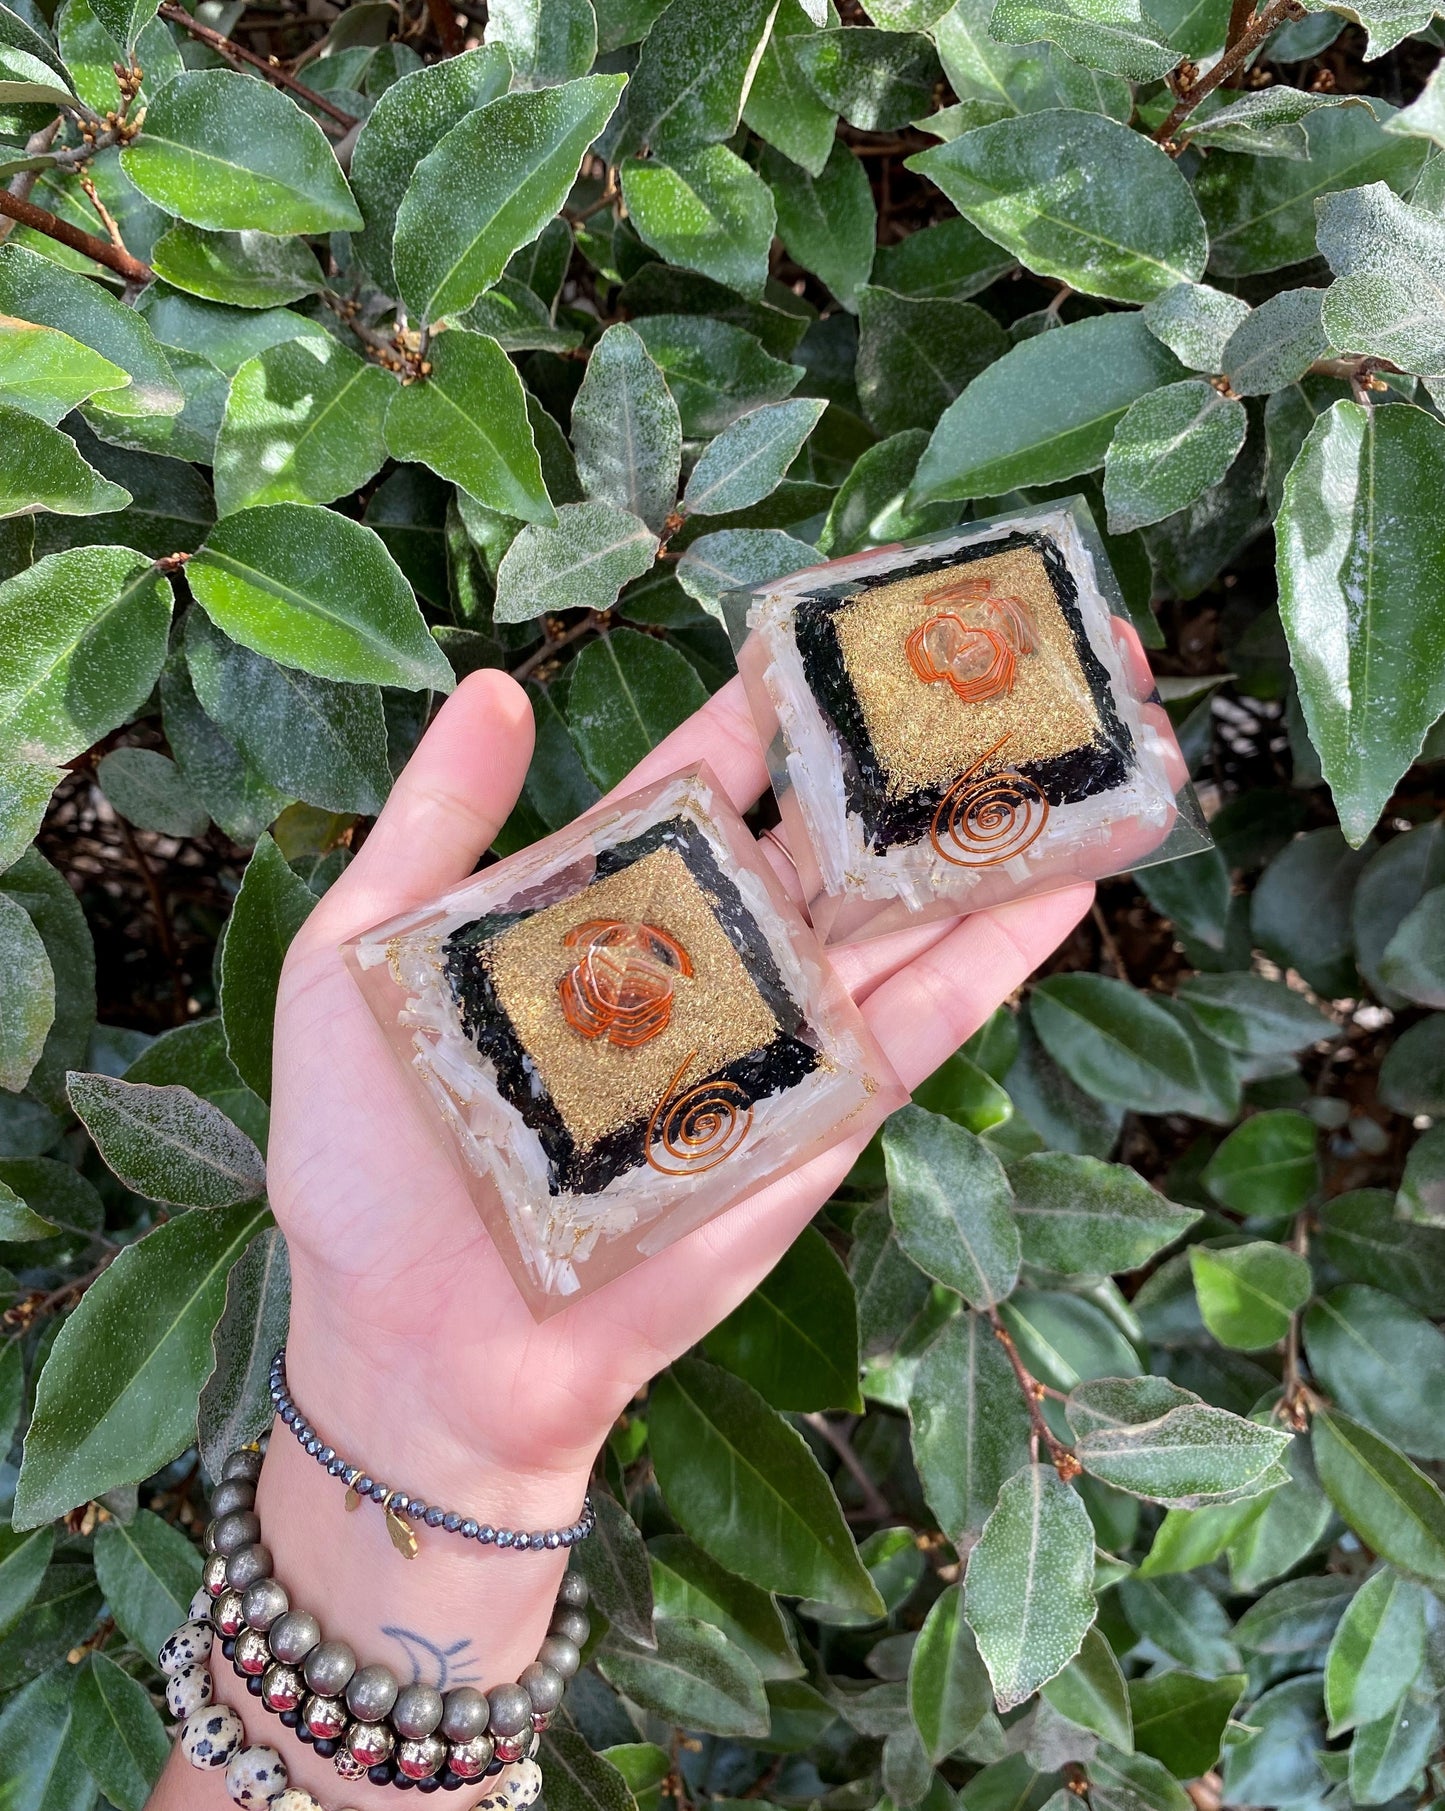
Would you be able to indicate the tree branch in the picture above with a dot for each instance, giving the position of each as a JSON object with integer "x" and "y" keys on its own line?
{"x": 1061, "y": 1457}
{"x": 555, "y": 643}
{"x": 1230, "y": 64}
{"x": 875, "y": 1503}
{"x": 114, "y": 257}
{"x": 238, "y": 53}
{"x": 444, "y": 18}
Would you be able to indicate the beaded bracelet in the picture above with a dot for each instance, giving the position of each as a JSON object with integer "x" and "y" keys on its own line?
{"x": 397, "y": 1503}
{"x": 359, "y": 1716}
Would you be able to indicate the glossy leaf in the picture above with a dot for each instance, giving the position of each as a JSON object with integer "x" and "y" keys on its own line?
{"x": 1247, "y": 1293}
{"x": 795, "y": 1338}
{"x": 970, "y": 1426}
{"x": 1029, "y": 1593}
{"x": 826, "y": 219}
{"x": 1046, "y": 410}
{"x": 1078, "y": 197}
{"x": 1117, "y": 35}
{"x": 46, "y": 372}
{"x": 948, "y": 1685}
{"x": 489, "y": 187}
{"x": 952, "y": 1206}
{"x": 693, "y": 75}
{"x": 315, "y": 590}
{"x": 1376, "y": 1651}
{"x": 41, "y": 469}
{"x": 235, "y": 1406}
{"x": 246, "y": 270}
{"x": 877, "y": 80}
{"x": 270, "y": 908}
{"x": 1182, "y": 1453}
{"x": 1091, "y": 1692}
{"x": 1381, "y": 1362}
{"x": 167, "y": 1143}
{"x": 118, "y": 1733}
{"x": 141, "y": 1340}
{"x": 547, "y": 42}
{"x": 1256, "y": 1017}
{"x": 303, "y": 424}
{"x": 628, "y": 692}
{"x": 715, "y": 370}
{"x": 82, "y": 639}
{"x": 151, "y": 792}
{"x": 686, "y": 1582}
{"x": 626, "y": 429}
{"x": 706, "y": 210}
{"x": 916, "y": 355}
{"x": 233, "y": 154}
{"x": 1082, "y": 1217}
{"x": 1393, "y": 1507}
{"x": 1268, "y": 1166}
{"x": 696, "y": 1678}
{"x": 1170, "y": 447}
{"x": 744, "y": 1484}
{"x": 747, "y": 460}
{"x": 1116, "y": 1043}
{"x": 1180, "y": 1719}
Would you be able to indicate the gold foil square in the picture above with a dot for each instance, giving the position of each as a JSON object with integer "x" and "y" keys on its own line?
{"x": 924, "y": 735}
{"x": 718, "y": 1012}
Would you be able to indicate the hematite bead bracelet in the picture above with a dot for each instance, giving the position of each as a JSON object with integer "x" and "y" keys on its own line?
{"x": 362, "y": 1717}
{"x": 396, "y": 1504}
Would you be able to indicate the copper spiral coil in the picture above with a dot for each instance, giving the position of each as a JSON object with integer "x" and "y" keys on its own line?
{"x": 621, "y": 989}
{"x": 698, "y": 1129}
{"x": 988, "y": 818}
{"x": 1005, "y": 636}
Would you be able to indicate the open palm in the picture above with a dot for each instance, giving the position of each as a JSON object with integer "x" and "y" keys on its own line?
{"x": 391, "y": 1268}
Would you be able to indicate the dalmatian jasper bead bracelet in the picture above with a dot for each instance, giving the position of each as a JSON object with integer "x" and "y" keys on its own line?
{"x": 360, "y": 1717}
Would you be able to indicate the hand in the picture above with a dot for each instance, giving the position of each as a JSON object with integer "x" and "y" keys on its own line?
{"x": 403, "y": 1313}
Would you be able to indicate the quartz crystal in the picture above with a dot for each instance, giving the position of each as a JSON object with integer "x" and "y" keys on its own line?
{"x": 623, "y": 1029}
{"x": 959, "y": 721}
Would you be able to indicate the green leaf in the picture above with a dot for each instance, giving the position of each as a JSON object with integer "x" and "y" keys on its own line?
{"x": 118, "y": 1733}
{"x": 315, "y": 590}
{"x": 693, "y": 75}
{"x": 1091, "y": 1692}
{"x": 549, "y": 41}
{"x": 1412, "y": 1076}
{"x": 1180, "y": 1719}
{"x": 1276, "y": 344}
{"x": 826, "y": 218}
{"x": 871, "y": 507}
{"x": 90, "y": 52}
{"x": 41, "y": 469}
{"x": 697, "y": 1678}
{"x": 1044, "y": 411}
{"x": 1268, "y": 1166}
{"x": 235, "y": 1405}
{"x": 948, "y": 1685}
{"x": 124, "y": 20}
{"x": 744, "y": 1484}
{"x": 151, "y": 792}
{"x": 46, "y": 372}
{"x": 615, "y": 1567}
{"x": 951, "y": 258}
{"x": 117, "y": 1397}
{"x": 1081, "y": 1217}
{"x": 1195, "y": 322}
{"x": 1422, "y": 1187}
{"x": 29, "y": 985}
{"x": 1376, "y": 1651}
{"x": 685, "y": 1582}
{"x": 706, "y": 210}
{"x": 23, "y": 1560}
{"x": 303, "y": 424}
{"x": 270, "y": 908}
{"x": 1171, "y": 446}
{"x": 781, "y": 106}
{"x": 1389, "y": 265}
{"x": 1155, "y": 1441}
{"x": 1300, "y": 910}
{"x": 38, "y": 1754}
{"x": 406, "y": 123}
{"x": 167, "y": 1143}
{"x": 63, "y": 1613}
{"x": 1394, "y": 1508}
{"x": 34, "y": 289}
{"x": 1180, "y": 1616}
{"x": 1265, "y": 123}
{"x": 1133, "y": 1782}
{"x": 25, "y": 789}
{"x": 246, "y": 270}
{"x": 82, "y": 639}
{"x": 227, "y": 152}
{"x": 1387, "y": 1755}
{"x": 626, "y": 430}
{"x": 1131, "y": 230}
{"x": 970, "y": 1427}
{"x": 1382, "y": 1363}
{"x": 1411, "y": 962}
{"x": 1029, "y": 1592}
{"x": 748, "y": 459}
{"x": 1248, "y": 1293}
{"x": 489, "y": 187}
{"x": 916, "y": 355}
{"x": 1361, "y": 1237}
{"x": 308, "y": 738}
{"x": 1260, "y": 210}
{"x": 878, "y": 80}
{"x": 628, "y": 692}
{"x": 731, "y": 558}
{"x": 715, "y": 370}
{"x": 17, "y": 1222}
{"x": 951, "y": 1205}
{"x": 1297, "y": 1617}
{"x": 795, "y": 1338}
{"x": 1256, "y": 1017}
{"x": 1115, "y": 35}
{"x": 1116, "y": 1042}
{"x": 580, "y": 564}
{"x": 468, "y": 421}
{"x": 580, "y": 1779}
{"x": 233, "y": 790}
{"x": 56, "y": 913}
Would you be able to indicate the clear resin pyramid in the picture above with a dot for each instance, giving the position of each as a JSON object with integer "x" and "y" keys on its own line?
{"x": 960, "y": 721}
{"x": 622, "y": 1031}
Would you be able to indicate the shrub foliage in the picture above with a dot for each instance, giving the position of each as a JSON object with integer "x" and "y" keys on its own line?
{"x": 1093, "y": 1432}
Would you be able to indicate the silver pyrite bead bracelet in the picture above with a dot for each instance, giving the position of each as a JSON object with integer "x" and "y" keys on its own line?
{"x": 360, "y": 1717}
{"x": 397, "y": 1504}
